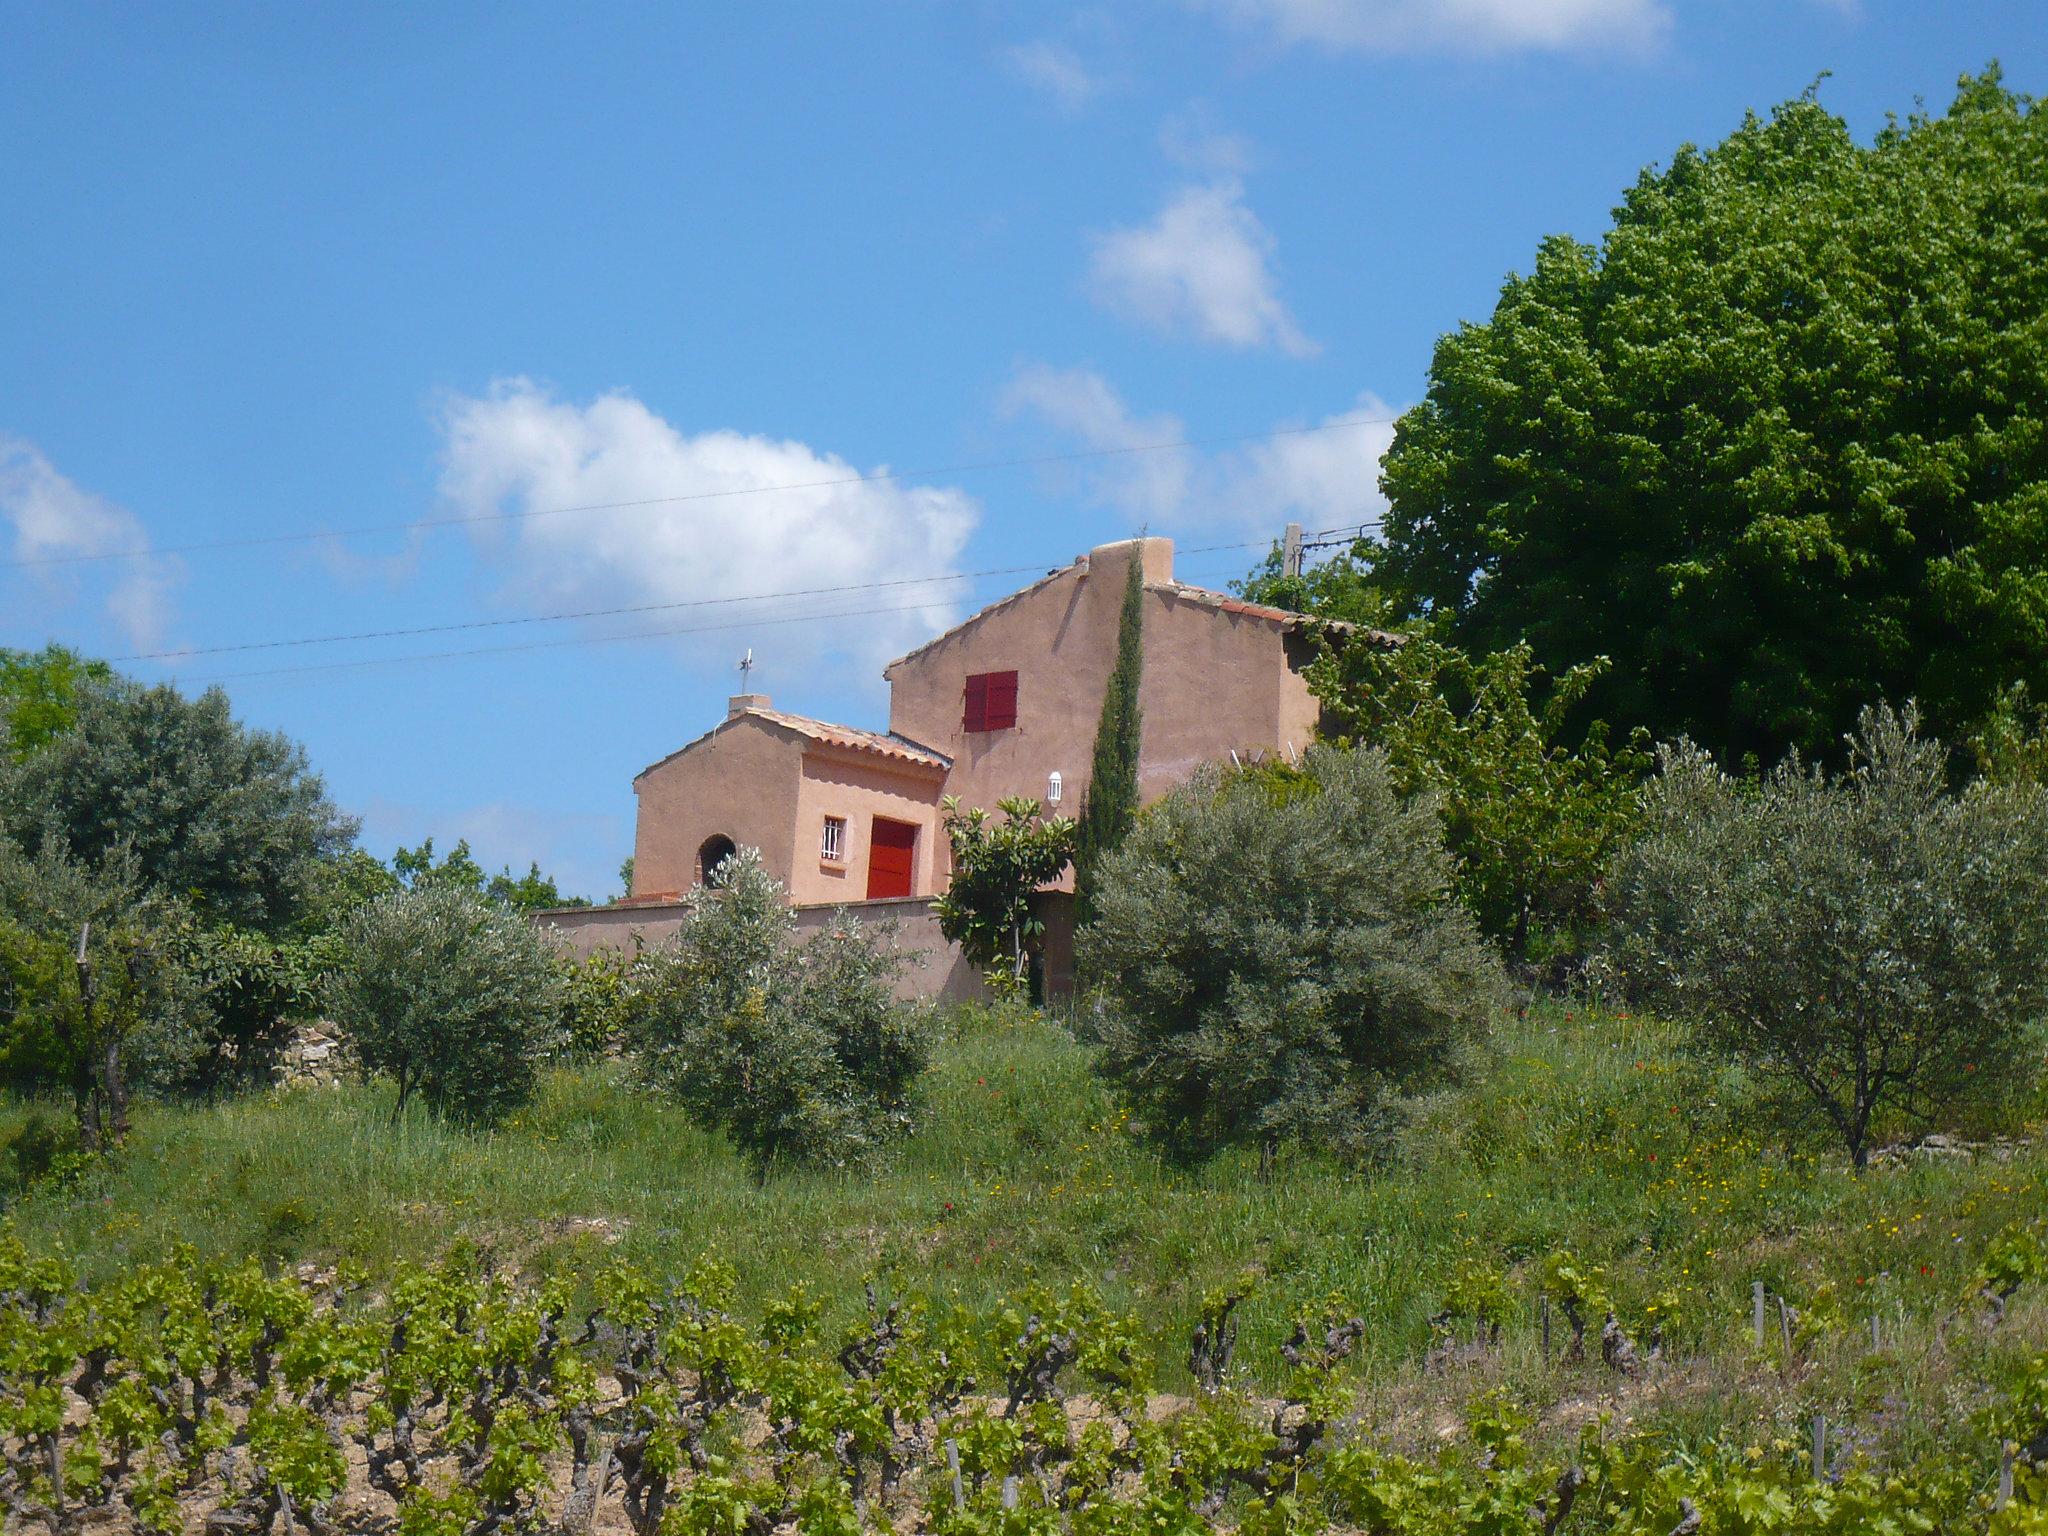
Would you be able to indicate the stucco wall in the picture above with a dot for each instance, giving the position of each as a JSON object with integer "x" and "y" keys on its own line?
{"x": 742, "y": 781}
{"x": 1214, "y": 681}
{"x": 835, "y": 783}
{"x": 934, "y": 968}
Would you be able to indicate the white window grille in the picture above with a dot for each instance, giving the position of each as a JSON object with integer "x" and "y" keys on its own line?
{"x": 832, "y": 847}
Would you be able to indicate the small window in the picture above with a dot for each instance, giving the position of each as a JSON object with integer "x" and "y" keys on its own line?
{"x": 832, "y": 847}
{"x": 991, "y": 702}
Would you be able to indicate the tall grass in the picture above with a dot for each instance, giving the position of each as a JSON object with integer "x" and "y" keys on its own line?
{"x": 1572, "y": 1129}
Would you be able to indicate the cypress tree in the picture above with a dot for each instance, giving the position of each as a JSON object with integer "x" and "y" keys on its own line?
{"x": 1110, "y": 806}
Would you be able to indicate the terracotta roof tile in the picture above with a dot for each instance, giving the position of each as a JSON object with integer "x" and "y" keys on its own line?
{"x": 861, "y": 741}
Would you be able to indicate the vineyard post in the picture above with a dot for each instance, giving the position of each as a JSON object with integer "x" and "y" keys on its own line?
{"x": 1543, "y": 1308}
{"x": 1876, "y": 1342}
{"x": 1785, "y": 1332}
{"x": 1756, "y": 1309}
{"x": 1010, "y": 1491}
{"x": 953, "y": 1465}
{"x": 2005, "y": 1459}
{"x": 1820, "y": 1446}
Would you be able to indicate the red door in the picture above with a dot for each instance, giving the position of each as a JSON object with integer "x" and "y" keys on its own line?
{"x": 890, "y": 846}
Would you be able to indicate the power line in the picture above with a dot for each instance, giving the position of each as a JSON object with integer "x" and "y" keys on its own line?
{"x": 878, "y": 477}
{"x": 606, "y": 613}
{"x": 578, "y": 640}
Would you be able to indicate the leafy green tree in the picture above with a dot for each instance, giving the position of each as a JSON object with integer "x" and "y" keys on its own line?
{"x": 456, "y": 998}
{"x": 1533, "y": 810}
{"x": 2011, "y": 746}
{"x": 213, "y": 813}
{"x": 39, "y": 694}
{"x": 794, "y": 1049}
{"x": 997, "y": 867}
{"x": 83, "y": 972}
{"x": 1275, "y": 951}
{"x": 531, "y": 892}
{"x": 1110, "y": 803}
{"x": 1343, "y": 587}
{"x": 1873, "y": 941}
{"x": 1778, "y": 445}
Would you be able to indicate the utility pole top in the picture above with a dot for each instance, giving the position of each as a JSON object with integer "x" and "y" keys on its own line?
{"x": 1290, "y": 551}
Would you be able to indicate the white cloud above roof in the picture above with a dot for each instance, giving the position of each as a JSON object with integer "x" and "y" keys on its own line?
{"x": 1458, "y": 26}
{"x": 1203, "y": 266}
{"x": 53, "y": 518}
{"x": 519, "y": 448}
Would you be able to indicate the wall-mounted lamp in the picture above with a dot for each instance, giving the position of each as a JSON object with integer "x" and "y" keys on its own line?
{"x": 1052, "y": 790}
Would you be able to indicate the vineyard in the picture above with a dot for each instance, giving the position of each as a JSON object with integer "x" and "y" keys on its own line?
{"x": 455, "y": 1399}
{"x": 590, "y": 1321}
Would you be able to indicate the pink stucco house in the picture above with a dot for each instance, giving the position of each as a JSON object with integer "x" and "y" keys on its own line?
{"x": 1004, "y": 703}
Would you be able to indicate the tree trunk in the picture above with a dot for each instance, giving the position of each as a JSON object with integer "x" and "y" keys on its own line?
{"x": 115, "y": 1082}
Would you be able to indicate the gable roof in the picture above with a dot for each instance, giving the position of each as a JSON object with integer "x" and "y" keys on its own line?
{"x": 1220, "y": 602}
{"x": 901, "y": 749}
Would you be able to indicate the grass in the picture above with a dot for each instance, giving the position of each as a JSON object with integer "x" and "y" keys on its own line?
{"x": 1574, "y": 1130}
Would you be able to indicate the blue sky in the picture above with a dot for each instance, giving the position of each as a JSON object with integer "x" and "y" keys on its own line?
{"x": 276, "y": 271}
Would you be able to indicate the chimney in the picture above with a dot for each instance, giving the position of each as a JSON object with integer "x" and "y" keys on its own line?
{"x": 1155, "y": 553}
{"x": 740, "y": 703}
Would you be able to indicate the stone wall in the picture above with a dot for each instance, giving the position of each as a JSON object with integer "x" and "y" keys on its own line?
{"x": 935, "y": 967}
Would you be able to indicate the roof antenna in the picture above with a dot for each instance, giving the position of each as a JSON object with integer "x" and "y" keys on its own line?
{"x": 747, "y": 670}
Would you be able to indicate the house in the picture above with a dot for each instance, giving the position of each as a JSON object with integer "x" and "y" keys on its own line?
{"x": 1004, "y": 703}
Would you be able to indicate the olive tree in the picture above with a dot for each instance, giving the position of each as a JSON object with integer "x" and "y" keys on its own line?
{"x": 795, "y": 1049}
{"x": 1872, "y": 940}
{"x": 1274, "y": 952}
{"x": 228, "y": 819}
{"x": 453, "y": 996}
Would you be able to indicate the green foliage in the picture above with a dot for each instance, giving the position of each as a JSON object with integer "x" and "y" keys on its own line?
{"x": 1776, "y": 445}
{"x": 231, "y": 820}
{"x": 88, "y": 981}
{"x": 1533, "y": 810}
{"x": 39, "y": 694}
{"x": 600, "y": 991}
{"x": 1342, "y": 587}
{"x": 997, "y": 867}
{"x": 531, "y": 892}
{"x": 1109, "y": 804}
{"x": 1269, "y": 964}
{"x": 1874, "y": 941}
{"x": 794, "y": 1050}
{"x": 455, "y": 998}
{"x": 2011, "y": 746}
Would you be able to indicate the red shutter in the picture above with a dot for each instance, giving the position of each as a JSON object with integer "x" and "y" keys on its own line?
{"x": 891, "y": 845}
{"x": 1002, "y": 700}
{"x": 976, "y": 716}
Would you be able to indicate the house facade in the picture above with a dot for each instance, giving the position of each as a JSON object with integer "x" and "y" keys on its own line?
{"x": 1004, "y": 703}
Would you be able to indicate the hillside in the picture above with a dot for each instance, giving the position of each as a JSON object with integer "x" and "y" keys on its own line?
{"x": 1573, "y": 1131}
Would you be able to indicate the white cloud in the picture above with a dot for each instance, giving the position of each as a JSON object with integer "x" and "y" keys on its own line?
{"x": 54, "y": 520}
{"x": 1204, "y": 265}
{"x": 518, "y": 448}
{"x": 1056, "y": 71}
{"x": 1324, "y": 474}
{"x": 1149, "y": 485}
{"x": 1191, "y": 140}
{"x": 1459, "y": 26}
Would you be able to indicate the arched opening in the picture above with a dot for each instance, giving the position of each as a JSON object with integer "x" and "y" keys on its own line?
{"x": 716, "y": 849}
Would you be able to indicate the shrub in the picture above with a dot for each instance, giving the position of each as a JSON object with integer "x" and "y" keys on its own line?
{"x": 1272, "y": 953}
{"x": 456, "y": 998}
{"x": 1872, "y": 941}
{"x": 598, "y": 995}
{"x": 1534, "y": 809}
{"x": 997, "y": 867}
{"x": 794, "y": 1050}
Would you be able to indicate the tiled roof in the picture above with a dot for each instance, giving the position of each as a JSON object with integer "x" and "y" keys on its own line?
{"x": 901, "y": 748}
{"x": 861, "y": 741}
